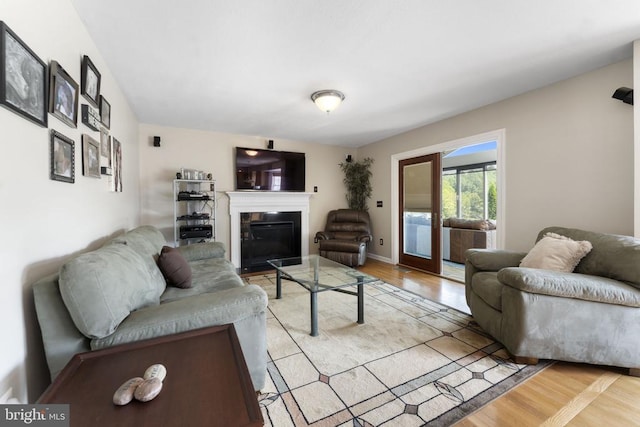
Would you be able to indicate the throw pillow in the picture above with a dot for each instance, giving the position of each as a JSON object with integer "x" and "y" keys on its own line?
{"x": 556, "y": 252}
{"x": 175, "y": 268}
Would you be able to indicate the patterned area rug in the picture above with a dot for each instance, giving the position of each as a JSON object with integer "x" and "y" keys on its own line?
{"x": 413, "y": 362}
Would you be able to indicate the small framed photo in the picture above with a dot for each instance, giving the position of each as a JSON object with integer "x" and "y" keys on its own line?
{"x": 63, "y": 95}
{"x": 90, "y": 81}
{"x": 116, "y": 178}
{"x": 23, "y": 78}
{"x": 90, "y": 157}
{"x": 105, "y": 112}
{"x": 105, "y": 152}
{"x": 63, "y": 158}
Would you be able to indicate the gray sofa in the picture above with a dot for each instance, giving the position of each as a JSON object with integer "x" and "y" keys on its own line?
{"x": 591, "y": 315}
{"x": 117, "y": 294}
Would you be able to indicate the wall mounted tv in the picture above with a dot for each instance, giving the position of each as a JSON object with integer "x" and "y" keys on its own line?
{"x": 269, "y": 170}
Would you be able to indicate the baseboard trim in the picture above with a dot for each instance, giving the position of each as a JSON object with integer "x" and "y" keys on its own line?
{"x": 380, "y": 258}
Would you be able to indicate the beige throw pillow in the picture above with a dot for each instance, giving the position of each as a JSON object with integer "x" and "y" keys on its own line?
{"x": 556, "y": 252}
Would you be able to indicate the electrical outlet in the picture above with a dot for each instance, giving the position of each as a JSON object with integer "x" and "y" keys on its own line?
{"x": 315, "y": 188}
{"x": 381, "y": 242}
{"x": 379, "y": 203}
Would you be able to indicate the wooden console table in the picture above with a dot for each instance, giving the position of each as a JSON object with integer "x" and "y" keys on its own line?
{"x": 207, "y": 383}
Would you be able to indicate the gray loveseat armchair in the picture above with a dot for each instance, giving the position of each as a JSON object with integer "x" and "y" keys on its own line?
{"x": 591, "y": 315}
{"x": 345, "y": 237}
{"x": 117, "y": 294}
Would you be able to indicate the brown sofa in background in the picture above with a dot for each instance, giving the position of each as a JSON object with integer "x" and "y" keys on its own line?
{"x": 469, "y": 234}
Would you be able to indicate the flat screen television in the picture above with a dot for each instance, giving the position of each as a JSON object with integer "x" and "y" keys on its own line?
{"x": 269, "y": 170}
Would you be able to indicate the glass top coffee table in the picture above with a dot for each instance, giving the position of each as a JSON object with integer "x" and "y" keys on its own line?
{"x": 317, "y": 274}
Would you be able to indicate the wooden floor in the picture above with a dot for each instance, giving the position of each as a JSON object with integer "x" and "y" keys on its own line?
{"x": 563, "y": 394}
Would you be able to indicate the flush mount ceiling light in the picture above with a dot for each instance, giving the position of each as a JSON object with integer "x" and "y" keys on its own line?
{"x": 327, "y": 100}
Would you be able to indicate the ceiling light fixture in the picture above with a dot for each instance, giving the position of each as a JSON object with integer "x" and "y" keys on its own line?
{"x": 327, "y": 100}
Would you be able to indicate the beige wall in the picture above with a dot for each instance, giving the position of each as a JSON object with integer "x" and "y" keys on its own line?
{"x": 569, "y": 157}
{"x": 45, "y": 222}
{"x": 214, "y": 152}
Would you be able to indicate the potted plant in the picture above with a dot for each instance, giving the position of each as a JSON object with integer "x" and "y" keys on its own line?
{"x": 357, "y": 180}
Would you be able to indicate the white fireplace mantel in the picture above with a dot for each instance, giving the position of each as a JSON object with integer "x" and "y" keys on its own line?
{"x": 267, "y": 201}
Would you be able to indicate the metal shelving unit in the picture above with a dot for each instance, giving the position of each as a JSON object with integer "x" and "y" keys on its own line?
{"x": 194, "y": 211}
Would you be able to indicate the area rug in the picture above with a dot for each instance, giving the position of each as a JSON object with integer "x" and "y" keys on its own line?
{"x": 413, "y": 362}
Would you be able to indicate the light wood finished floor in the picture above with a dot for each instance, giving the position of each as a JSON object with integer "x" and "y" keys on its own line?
{"x": 563, "y": 394}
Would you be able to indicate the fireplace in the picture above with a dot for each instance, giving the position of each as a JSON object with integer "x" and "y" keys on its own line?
{"x": 275, "y": 213}
{"x": 268, "y": 235}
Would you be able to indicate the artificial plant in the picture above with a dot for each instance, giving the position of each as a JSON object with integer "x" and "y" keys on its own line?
{"x": 357, "y": 179}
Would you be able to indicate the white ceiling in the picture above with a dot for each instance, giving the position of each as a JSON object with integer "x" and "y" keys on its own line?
{"x": 250, "y": 66}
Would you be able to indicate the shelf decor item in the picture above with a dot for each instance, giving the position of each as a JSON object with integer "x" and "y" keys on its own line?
{"x": 90, "y": 157}
{"x": 63, "y": 95}
{"x": 90, "y": 81}
{"x": 62, "y": 158}
{"x": 23, "y": 78}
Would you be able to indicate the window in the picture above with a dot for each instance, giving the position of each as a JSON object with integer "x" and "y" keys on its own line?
{"x": 470, "y": 191}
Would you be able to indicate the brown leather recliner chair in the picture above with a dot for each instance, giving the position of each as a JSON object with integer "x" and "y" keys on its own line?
{"x": 345, "y": 237}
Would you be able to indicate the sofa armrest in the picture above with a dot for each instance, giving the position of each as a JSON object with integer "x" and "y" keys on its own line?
{"x": 198, "y": 311}
{"x": 570, "y": 285}
{"x": 205, "y": 250}
{"x": 493, "y": 259}
{"x": 60, "y": 336}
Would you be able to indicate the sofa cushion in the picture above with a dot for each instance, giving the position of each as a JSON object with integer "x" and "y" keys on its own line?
{"x": 207, "y": 276}
{"x": 174, "y": 268}
{"x": 102, "y": 287}
{"x": 219, "y": 308}
{"x": 556, "y": 252}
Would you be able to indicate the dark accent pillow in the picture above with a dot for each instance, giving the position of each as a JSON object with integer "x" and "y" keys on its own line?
{"x": 174, "y": 267}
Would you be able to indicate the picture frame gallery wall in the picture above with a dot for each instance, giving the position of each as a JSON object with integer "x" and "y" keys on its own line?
{"x": 33, "y": 90}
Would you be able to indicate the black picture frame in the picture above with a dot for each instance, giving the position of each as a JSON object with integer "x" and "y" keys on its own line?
{"x": 63, "y": 95}
{"x": 63, "y": 158}
{"x": 23, "y": 78}
{"x": 90, "y": 157}
{"x": 90, "y": 81}
{"x": 105, "y": 112}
